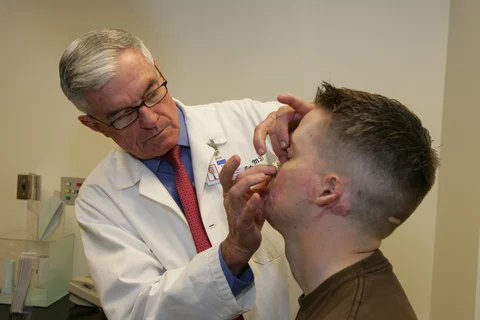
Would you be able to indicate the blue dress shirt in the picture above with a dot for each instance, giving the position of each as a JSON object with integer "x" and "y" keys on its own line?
{"x": 164, "y": 172}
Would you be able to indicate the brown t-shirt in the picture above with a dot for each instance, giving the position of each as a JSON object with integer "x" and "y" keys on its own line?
{"x": 366, "y": 290}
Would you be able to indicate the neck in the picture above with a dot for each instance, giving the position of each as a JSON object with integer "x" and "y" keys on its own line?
{"x": 316, "y": 255}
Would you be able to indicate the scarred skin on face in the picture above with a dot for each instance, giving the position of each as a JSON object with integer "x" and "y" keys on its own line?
{"x": 305, "y": 183}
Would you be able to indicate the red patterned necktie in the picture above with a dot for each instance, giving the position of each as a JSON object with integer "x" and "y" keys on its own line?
{"x": 189, "y": 202}
{"x": 188, "y": 199}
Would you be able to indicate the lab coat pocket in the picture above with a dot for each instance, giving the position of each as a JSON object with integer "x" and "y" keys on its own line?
{"x": 272, "y": 247}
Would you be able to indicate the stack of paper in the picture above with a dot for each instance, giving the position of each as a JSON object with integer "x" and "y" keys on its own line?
{"x": 25, "y": 267}
{"x": 50, "y": 217}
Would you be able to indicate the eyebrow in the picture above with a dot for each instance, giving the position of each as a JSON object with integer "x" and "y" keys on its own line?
{"x": 150, "y": 84}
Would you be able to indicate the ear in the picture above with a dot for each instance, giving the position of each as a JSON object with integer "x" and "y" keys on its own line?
{"x": 91, "y": 123}
{"x": 332, "y": 195}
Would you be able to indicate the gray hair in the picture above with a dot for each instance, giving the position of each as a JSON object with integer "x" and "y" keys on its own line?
{"x": 90, "y": 61}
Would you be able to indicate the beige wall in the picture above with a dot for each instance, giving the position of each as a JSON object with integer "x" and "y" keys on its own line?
{"x": 456, "y": 245}
{"x": 217, "y": 50}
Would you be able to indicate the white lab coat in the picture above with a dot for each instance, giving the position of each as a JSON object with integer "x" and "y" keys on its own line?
{"x": 140, "y": 249}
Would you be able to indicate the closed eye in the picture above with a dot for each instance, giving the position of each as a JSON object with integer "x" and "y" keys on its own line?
{"x": 289, "y": 153}
{"x": 126, "y": 113}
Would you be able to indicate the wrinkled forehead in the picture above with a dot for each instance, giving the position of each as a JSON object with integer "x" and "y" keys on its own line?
{"x": 134, "y": 78}
{"x": 132, "y": 66}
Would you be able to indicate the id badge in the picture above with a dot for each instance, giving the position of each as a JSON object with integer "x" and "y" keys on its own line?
{"x": 214, "y": 168}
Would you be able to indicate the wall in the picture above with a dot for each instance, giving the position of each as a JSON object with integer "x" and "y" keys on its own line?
{"x": 456, "y": 240}
{"x": 217, "y": 50}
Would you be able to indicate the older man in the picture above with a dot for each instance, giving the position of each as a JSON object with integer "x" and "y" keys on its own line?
{"x": 156, "y": 236}
{"x": 357, "y": 167}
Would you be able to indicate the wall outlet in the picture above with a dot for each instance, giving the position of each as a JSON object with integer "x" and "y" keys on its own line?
{"x": 28, "y": 187}
{"x": 69, "y": 189}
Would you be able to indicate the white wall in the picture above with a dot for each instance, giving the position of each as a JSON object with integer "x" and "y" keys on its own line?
{"x": 456, "y": 243}
{"x": 217, "y": 50}
{"x": 477, "y": 290}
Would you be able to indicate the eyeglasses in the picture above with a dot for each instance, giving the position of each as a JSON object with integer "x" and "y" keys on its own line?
{"x": 131, "y": 114}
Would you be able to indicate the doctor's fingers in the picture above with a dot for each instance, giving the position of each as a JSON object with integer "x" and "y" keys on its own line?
{"x": 288, "y": 117}
{"x": 245, "y": 227}
{"x": 252, "y": 214}
{"x": 287, "y": 120}
{"x": 241, "y": 191}
{"x": 262, "y": 187}
{"x": 226, "y": 175}
{"x": 266, "y": 169}
{"x": 281, "y": 154}
{"x": 300, "y": 106}
{"x": 261, "y": 132}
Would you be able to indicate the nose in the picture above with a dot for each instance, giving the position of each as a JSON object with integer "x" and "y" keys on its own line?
{"x": 147, "y": 117}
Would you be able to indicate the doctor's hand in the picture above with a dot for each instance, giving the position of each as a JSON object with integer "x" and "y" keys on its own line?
{"x": 243, "y": 202}
{"x": 279, "y": 125}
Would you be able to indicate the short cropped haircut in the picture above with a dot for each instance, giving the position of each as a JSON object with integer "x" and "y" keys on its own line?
{"x": 395, "y": 162}
{"x": 90, "y": 62}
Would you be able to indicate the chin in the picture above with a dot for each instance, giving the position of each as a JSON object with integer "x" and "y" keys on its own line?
{"x": 273, "y": 223}
{"x": 149, "y": 154}
{"x": 154, "y": 148}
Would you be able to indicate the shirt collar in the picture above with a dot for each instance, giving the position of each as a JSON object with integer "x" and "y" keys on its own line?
{"x": 183, "y": 134}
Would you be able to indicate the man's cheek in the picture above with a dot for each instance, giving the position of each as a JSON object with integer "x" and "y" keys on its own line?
{"x": 278, "y": 183}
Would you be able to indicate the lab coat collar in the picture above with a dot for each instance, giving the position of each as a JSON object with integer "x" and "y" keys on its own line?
{"x": 203, "y": 127}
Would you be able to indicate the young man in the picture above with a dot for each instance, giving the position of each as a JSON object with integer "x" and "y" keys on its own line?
{"x": 358, "y": 166}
